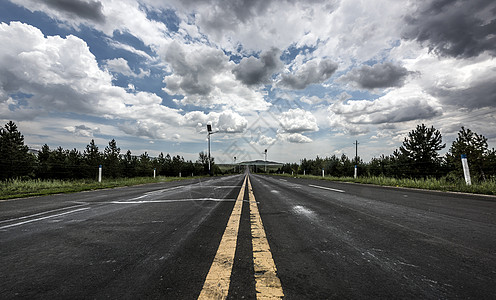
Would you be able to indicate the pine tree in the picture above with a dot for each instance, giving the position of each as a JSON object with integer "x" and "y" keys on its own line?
{"x": 15, "y": 160}
{"x": 111, "y": 159}
{"x": 420, "y": 151}
{"x": 92, "y": 159}
{"x": 475, "y": 147}
{"x": 44, "y": 169}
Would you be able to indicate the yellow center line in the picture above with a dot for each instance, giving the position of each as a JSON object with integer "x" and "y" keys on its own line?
{"x": 216, "y": 284}
{"x": 267, "y": 284}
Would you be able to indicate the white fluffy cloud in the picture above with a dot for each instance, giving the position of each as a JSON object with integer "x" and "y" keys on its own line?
{"x": 224, "y": 122}
{"x": 298, "y": 121}
{"x": 400, "y": 105}
{"x": 203, "y": 75}
{"x": 82, "y": 130}
{"x": 120, "y": 65}
{"x": 296, "y": 138}
{"x": 61, "y": 75}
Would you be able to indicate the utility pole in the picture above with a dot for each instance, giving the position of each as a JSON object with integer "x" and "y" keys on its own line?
{"x": 356, "y": 158}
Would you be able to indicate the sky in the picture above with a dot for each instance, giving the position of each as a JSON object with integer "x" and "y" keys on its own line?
{"x": 298, "y": 78}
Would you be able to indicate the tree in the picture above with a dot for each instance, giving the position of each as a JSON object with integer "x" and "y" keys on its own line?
{"x": 111, "y": 159}
{"x": 74, "y": 163}
{"x": 129, "y": 164}
{"x": 92, "y": 159}
{"x": 203, "y": 161}
{"x": 44, "y": 169}
{"x": 15, "y": 159}
{"x": 58, "y": 163}
{"x": 144, "y": 167}
{"x": 177, "y": 165}
{"x": 475, "y": 147}
{"x": 420, "y": 151}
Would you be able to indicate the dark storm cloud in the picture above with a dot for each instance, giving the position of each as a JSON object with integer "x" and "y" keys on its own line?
{"x": 310, "y": 73}
{"x": 478, "y": 95}
{"x": 454, "y": 28}
{"x": 378, "y": 76}
{"x": 254, "y": 71}
{"x": 91, "y": 10}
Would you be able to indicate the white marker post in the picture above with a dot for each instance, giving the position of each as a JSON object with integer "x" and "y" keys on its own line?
{"x": 466, "y": 171}
{"x": 356, "y": 172}
{"x": 100, "y": 173}
{"x": 322, "y": 172}
{"x": 154, "y": 172}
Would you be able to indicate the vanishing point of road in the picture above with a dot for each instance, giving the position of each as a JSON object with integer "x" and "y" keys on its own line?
{"x": 249, "y": 236}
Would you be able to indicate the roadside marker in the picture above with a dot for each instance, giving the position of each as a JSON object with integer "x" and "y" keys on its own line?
{"x": 216, "y": 284}
{"x": 267, "y": 284}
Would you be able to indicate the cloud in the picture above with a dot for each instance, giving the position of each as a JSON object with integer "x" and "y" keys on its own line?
{"x": 203, "y": 75}
{"x": 311, "y": 72}
{"x": 312, "y": 100}
{"x": 82, "y": 130}
{"x": 61, "y": 75}
{"x": 193, "y": 71}
{"x": 395, "y": 107}
{"x": 120, "y": 65}
{"x": 91, "y": 10}
{"x": 254, "y": 71}
{"x": 454, "y": 28}
{"x": 297, "y": 121}
{"x": 479, "y": 94}
{"x": 129, "y": 48}
{"x": 296, "y": 138}
{"x": 398, "y": 106}
{"x": 382, "y": 75}
{"x": 264, "y": 140}
{"x": 456, "y": 82}
{"x": 258, "y": 24}
{"x": 224, "y": 122}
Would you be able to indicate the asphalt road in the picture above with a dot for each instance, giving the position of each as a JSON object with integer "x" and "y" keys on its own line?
{"x": 324, "y": 240}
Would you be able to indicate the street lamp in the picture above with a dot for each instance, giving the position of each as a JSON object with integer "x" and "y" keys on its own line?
{"x": 265, "y": 168}
{"x": 209, "y": 129}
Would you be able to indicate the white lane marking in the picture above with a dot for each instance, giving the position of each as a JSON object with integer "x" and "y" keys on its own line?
{"x": 39, "y": 214}
{"x": 326, "y": 188}
{"x": 225, "y": 186}
{"x": 44, "y": 218}
{"x": 163, "y": 190}
{"x": 137, "y": 198}
{"x": 171, "y": 200}
{"x": 283, "y": 180}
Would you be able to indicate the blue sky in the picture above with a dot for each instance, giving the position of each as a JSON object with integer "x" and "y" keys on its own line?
{"x": 299, "y": 78}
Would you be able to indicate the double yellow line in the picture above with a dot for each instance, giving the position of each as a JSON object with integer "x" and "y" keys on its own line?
{"x": 267, "y": 284}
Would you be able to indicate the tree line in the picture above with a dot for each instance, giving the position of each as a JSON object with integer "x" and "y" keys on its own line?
{"x": 16, "y": 161}
{"x": 417, "y": 157}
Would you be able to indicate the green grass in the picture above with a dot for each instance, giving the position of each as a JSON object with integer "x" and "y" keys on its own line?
{"x": 486, "y": 187}
{"x": 37, "y": 187}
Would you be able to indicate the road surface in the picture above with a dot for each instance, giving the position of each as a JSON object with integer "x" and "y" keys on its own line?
{"x": 247, "y": 236}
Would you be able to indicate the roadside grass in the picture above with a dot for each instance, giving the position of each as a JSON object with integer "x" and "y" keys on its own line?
{"x": 486, "y": 187}
{"x": 36, "y": 187}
